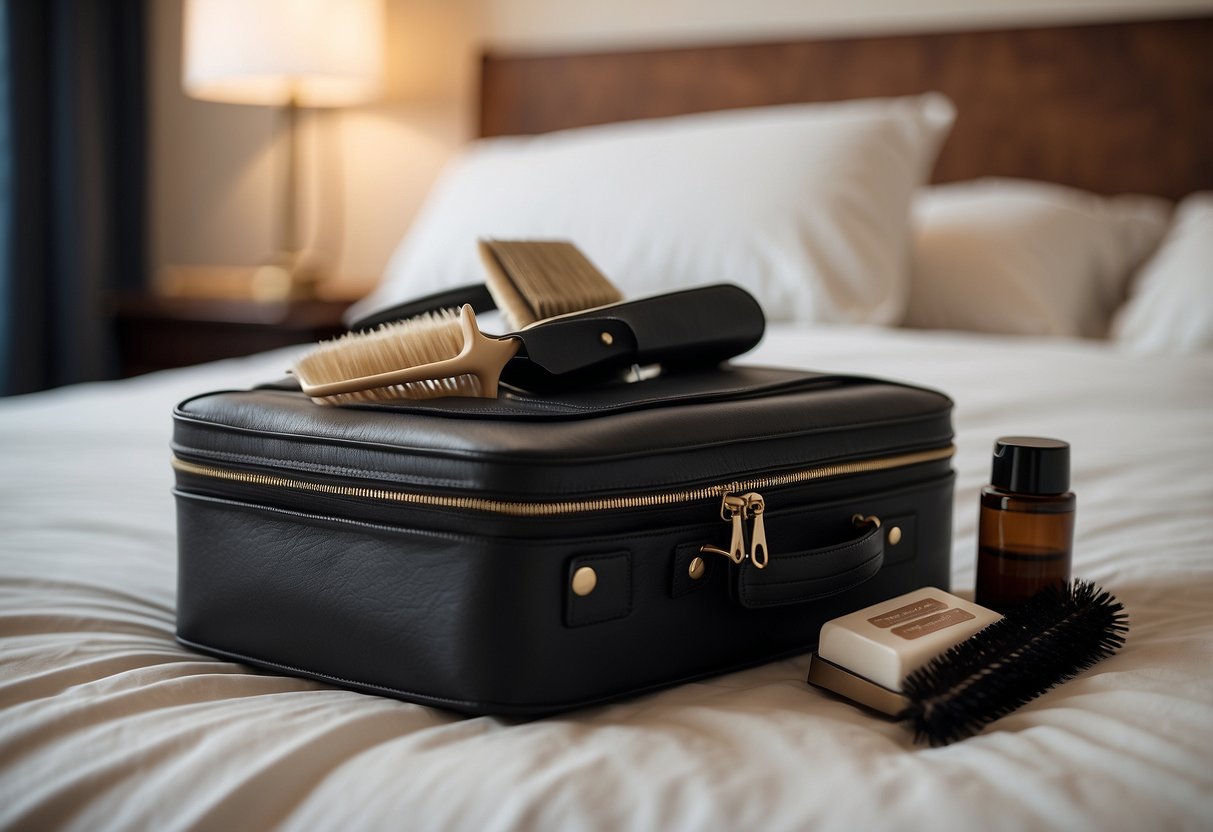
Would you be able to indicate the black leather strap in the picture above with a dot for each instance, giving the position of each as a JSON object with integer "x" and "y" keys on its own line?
{"x": 796, "y": 577}
{"x": 697, "y": 327}
{"x": 477, "y": 295}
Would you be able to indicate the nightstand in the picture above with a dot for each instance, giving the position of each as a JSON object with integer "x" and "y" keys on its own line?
{"x": 156, "y": 333}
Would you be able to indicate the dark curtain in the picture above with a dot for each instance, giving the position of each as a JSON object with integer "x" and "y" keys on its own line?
{"x": 72, "y": 184}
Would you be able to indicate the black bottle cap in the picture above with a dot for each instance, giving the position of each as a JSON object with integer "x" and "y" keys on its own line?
{"x": 1031, "y": 465}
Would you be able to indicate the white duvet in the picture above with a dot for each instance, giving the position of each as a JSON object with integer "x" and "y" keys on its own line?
{"x": 105, "y": 722}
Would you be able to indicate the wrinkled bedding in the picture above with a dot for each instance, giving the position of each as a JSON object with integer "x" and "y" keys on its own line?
{"x": 106, "y": 723}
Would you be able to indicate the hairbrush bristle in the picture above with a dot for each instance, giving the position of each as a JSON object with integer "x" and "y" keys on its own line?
{"x": 425, "y": 339}
{"x": 1056, "y": 635}
{"x": 533, "y": 280}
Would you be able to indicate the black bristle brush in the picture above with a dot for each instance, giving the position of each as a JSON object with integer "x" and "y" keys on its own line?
{"x": 1059, "y": 633}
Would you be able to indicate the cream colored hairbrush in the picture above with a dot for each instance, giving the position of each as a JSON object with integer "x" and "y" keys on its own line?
{"x": 440, "y": 353}
{"x": 527, "y": 280}
{"x": 532, "y": 280}
{"x": 446, "y": 354}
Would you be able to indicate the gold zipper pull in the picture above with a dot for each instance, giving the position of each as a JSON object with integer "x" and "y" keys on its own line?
{"x": 735, "y": 507}
{"x": 755, "y": 507}
{"x": 737, "y": 510}
{"x": 732, "y": 510}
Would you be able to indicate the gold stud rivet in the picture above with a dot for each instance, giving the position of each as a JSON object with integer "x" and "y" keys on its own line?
{"x": 894, "y": 535}
{"x": 607, "y": 338}
{"x": 584, "y": 581}
{"x": 697, "y": 568}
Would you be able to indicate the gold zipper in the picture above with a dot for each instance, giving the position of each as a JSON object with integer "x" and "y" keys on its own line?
{"x": 551, "y": 509}
{"x": 735, "y": 509}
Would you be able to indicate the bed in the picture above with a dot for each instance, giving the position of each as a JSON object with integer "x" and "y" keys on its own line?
{"x": 108, "y": 723}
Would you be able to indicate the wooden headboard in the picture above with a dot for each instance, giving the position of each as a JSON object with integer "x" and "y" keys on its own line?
{"x": 1112, "y": 108}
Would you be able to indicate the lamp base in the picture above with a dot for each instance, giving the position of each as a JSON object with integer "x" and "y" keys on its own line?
{"x": 289, "y": 275}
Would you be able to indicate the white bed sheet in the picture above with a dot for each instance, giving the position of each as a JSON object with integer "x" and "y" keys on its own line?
{"x": 107, "y": 723}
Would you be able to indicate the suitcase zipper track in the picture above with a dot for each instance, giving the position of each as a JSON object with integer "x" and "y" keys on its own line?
{"x": 555, "y": 508}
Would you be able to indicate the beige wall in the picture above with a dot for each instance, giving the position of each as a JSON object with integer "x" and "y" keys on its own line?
{"x": 214, "y": 179}
{"x": 561, "y": 24}
{"x": 213, "y": 167}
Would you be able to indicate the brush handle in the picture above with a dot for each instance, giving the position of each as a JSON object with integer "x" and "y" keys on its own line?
{"x": 701, "y": 327}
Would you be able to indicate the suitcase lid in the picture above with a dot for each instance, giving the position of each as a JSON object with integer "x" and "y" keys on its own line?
{"x": 679, "y": 431}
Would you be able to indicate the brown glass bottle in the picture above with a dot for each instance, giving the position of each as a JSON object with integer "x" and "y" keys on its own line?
{"x": 1026, "y": 523}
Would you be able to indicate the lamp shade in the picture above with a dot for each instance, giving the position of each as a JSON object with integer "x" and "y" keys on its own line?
{"x": 320, "y": 53}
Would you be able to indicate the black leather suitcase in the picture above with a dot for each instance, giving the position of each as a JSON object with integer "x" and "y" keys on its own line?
{"x": 526, "y": 555}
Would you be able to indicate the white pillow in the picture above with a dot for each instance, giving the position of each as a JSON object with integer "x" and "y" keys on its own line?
{"x": 1170, "y": 309}
{"x": 807, "y": 206}
{"x": 1028, "y": 258}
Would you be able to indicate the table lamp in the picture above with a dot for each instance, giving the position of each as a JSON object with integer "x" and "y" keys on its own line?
{"x": 287, "y": 54}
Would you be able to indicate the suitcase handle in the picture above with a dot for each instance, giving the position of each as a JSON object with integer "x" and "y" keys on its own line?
{"x": 797, "y": 577}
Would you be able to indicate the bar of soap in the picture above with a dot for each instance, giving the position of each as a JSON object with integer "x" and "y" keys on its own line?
{"x": 886, "y": 642}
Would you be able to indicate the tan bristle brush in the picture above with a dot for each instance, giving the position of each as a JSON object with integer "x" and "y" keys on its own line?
{"x": 531, "y": 280}
{"x": 429, "y": 356}
{"x": 445, "y": 354}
